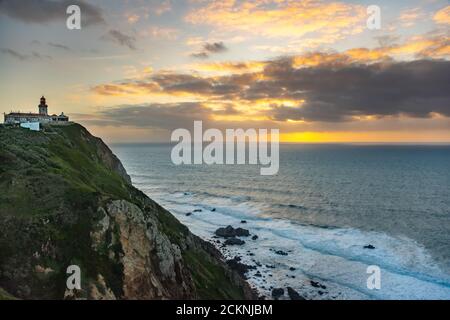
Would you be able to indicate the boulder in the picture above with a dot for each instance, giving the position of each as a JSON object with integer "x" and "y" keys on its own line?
{"x": 234, "y": 241}
{"x": 229, "y": 232}
{"x": 277, "y": 293}
{"x": 294, "y": 295}
{"x": 239, "y": 232}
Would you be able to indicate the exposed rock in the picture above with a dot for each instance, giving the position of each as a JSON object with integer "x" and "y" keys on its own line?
{"x": 243, "y": 221}
{"x": 43, "y": 270}
{"x": 369, "y": 247}
{"x": 277, "y": 293}
{"x": 234, "y": 241}
{"x": 281, "y": 253}
{"x": 147, "y": 276}
{"x": 255, "y": 237}
{"x": 229, "y": 232}
{"x": 241, "y": 268}
{"x": 241, "y": 232}
{"x": 225, "y": 232}
{"x": 294, "y": 295}
{"x": 292, "y": 269}
{"x": 317, "y": 285}
{"x": 100, "y": 291}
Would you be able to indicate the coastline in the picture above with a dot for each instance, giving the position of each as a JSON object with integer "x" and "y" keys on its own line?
{"x": 319, "y": 263}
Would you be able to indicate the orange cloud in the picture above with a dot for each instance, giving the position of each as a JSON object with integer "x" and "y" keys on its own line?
{"x": 409, "y": 17}
{"x": 442, "y": 16}
{"x": 274, "y": 18}
{"x": 233, "y": 67}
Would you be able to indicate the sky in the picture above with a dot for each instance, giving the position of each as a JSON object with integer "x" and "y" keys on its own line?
{"x": 139, "y": 69}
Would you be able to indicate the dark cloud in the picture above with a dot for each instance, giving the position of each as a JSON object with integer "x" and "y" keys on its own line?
{"x": 210, "y": 48}
{"x": 44, "y": 11}
{"x": 415, "y": 89}
{"x": 120, "y": 38}
{"x": 59, "y": 46}
{"x": 325, "y": 93}
{"x": 37, "y": 55}
{"x": 200, "y": 55}
{"x": 14, "y": 54}
{"x": 166, "y": 116}
{"x": 22, "y": 57}
{"x": 215, "y": 47}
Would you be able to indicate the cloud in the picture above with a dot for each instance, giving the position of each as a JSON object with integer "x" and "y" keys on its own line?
{"x": 327, "y": 92}
{"x": 163, "y": 7}
{"x": 442, "y": 16}
{"x": 22, "y": 57}
{"x": 14, "y": 54}
{"x": 210, "y": 48}
{"x": 215, "y": 47}
{"x": 59, "y": 46}
{"x": 281, "y": 19}
{"x": 416, "y": 89}
{"x": 120, "y": 38}
{"x": 409, "y": 17}
{"x": 200, "y": 55}
{"x": 44, "y": 11}
{"x": 161, "y": 33}
{"x": 166, "y": 116}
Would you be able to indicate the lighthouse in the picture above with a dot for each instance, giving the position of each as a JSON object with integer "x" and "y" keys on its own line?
{"x": 43, "y": 108}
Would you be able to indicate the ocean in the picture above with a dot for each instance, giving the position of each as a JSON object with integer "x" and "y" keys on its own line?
{"x": 323, "y": 208}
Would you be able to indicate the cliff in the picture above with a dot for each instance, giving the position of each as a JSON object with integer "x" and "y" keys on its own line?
{"x": 65, "y": 199}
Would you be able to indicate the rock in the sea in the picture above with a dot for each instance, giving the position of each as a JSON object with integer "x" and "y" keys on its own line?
{"x": 188, "y": 214}
{"x": 197, "y": 210}
{"x": 229, "y": 232}
{"x": 255, "y": 237}
{"x": 292, "y": 269}
{"x": 317, "y": 285}
{"x": 277, "y": 292}
{"x": 234, "y": 241}
{"x": 243, "y": 221}
{"x": 241, "y": 232}
{"x": 369, "y": 247}
{"x": 281, "y": 253}
{"x": 294, "y": 295}
{"x": 225, "y": 232}
{"x": 213, "y": 209}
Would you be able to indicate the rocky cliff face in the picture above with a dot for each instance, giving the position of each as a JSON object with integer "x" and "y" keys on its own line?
{"x": 65, "y": 199}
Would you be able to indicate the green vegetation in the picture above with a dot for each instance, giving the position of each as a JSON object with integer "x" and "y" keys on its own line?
{"x": 210, "y": 279}
{"x": 5, "y": 295}
{"x": 51, "y": 186}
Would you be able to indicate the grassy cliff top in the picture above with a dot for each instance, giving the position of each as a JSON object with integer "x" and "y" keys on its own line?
{"x": 52, "y": 183}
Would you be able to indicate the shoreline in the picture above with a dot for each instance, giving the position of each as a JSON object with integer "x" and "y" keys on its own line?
{"x": 317, "y": 263}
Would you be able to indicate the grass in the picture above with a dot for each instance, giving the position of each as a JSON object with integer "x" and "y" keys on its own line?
{"x": 210, "y": 279}
{"x": 51, "y": 185}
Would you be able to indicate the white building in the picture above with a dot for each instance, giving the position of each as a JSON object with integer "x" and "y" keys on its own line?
{"x": 41, "y": 117}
